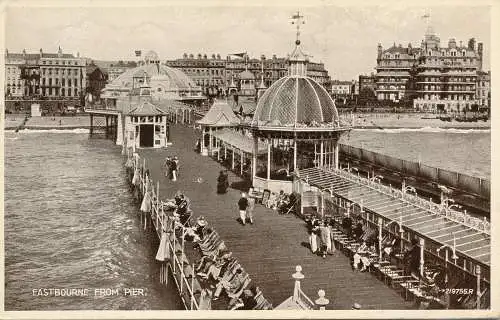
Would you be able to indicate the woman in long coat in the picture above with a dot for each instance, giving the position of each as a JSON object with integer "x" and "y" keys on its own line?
{"x": 222, "y": 182}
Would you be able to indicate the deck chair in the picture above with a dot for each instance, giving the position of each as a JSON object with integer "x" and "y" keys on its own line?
{"x": 237, "y": 292}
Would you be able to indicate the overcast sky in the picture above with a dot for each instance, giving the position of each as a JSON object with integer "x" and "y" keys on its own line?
{"x": 344, "y": 38}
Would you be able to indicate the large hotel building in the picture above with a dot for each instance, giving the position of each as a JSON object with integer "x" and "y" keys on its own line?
{"x": 431, "y": 77}
{"x": 217, "y": 74}
{"x": 58, "y": 77}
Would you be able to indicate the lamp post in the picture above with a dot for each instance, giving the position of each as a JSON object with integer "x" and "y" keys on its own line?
{"x": 408, "y": 189}
{"x": 454, "y": 256}
{"x": 377, "y": 178}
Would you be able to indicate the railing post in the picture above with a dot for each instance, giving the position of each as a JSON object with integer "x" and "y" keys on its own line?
{"x": 478, "y": 287}
{"x": 422, "y": 251}
{"x": 297, "y": 276}
{"x": 157, "y": 204}
{"x": 380, "y": 239}
{"x": 321, "y": 301}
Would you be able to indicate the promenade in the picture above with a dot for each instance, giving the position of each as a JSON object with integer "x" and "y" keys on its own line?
{"x": 270, "y": 249}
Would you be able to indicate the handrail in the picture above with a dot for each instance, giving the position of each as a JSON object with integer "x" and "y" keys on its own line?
{"x": 159, "y": 216}
{"x": 479, "y": 225}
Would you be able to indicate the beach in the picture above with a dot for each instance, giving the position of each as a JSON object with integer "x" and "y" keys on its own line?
{"x": 12, "y": 122}
{"x": 411, "y": 120}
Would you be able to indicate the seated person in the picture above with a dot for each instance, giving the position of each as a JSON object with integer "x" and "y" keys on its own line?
{"x": 215, "y": 266}
{"x": 363, "y": 255}
{"x": 246, "y": 301}
{"x": 231, "y": 286}
{"x": 357, "y": 231}
{"x": 195, "y": 233}
{"x": 389, "y": 246}
{"x": 347, "y": 224}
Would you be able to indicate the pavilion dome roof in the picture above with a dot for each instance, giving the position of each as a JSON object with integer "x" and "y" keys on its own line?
{"x": 173, "y": 78}
{"x": 295, "y": 101}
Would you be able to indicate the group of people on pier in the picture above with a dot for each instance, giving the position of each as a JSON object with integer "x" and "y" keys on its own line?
{"x": 218, "y": 272}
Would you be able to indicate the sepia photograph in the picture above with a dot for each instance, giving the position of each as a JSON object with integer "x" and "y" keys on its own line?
{"x": 296, "y": 157}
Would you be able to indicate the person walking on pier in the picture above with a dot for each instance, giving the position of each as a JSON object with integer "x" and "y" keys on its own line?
{"x": 250, "y": 208}
{"x": 174, "y": 165}
{"x": 166, "y": 166}
{"x": 243, "y": 205}
{"x": 222, "y": 182}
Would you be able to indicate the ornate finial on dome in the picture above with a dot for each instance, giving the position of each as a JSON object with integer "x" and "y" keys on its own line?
{"x": 298, "y": 60}
{"x": 298, "y": 20}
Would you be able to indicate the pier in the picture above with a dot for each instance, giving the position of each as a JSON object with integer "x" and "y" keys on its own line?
{"x": 270, "y": 249}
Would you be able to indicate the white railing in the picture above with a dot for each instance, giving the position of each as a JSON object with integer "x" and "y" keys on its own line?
{"x": 164, "y": 223}
{"x": 479, "y": 225}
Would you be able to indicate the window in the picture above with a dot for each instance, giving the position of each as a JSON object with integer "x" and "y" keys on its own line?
{"x": 63, "y": 82}
{"x": 69, "y": 82}
{"x": 76, "y": 92}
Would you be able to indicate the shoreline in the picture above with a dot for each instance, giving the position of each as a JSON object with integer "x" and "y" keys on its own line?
{"x": 371, "y": 127}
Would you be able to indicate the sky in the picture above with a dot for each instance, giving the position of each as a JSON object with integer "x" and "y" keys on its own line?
{"x": 344, "y": 38}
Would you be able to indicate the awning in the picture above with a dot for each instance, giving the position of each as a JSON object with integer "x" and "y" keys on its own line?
{"x": 469, "y": 241}
{"x": 239, "y": 141}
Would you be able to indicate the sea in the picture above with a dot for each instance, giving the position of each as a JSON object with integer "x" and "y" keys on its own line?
{"x": 70, "y": 221}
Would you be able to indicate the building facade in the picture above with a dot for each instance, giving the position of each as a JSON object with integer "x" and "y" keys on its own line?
{"x": 431, "y": 77}
{"x": 215, "y": 74}
{"x": 483, "y": 93}
{"x": 44, "y": 76}
{"x": 342, "y": 88}
{"x": 96, "y": 80}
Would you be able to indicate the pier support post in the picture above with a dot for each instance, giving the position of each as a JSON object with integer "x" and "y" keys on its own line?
{"x": 242, "y": 160}
{"x": 322, "y": 301}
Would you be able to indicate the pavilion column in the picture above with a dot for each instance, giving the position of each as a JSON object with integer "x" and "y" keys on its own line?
{"x": 232, "y": 159}
{"x": 242, "y": 160}
{"x": 210, "y": 141}
{"x": 322, "y": 153}
{"x": 336, "y": 156}
{"x": 268, "y": 159}
{"x": 295, "y": 154}
{"x": 254, "y": 155}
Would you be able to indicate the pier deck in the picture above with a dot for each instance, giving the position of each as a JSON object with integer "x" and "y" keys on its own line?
{"x": 270, "y": 249}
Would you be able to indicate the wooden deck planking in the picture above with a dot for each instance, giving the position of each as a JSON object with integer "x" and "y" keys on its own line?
{"x": 270, "y": 249}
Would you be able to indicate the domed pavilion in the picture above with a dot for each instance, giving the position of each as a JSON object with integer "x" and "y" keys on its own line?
{"x": 298, "y": 121}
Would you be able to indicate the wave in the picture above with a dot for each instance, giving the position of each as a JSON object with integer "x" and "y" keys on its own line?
{"x": 425, "y": 129}
{"x": 54, "y": 131}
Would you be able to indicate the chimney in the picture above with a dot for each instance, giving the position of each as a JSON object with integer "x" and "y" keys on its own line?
{"x": 6, "y": 52}
{"x": 472, "y": 44}
{"x": 480, "y": 54}
{"x": 24, "y": 53}
{"x": 379, "y": 50}
{"x": 41, "y": 53}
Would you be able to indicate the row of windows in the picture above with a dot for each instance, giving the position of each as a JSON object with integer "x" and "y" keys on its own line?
{"x": 450, "y": 79}
{"x": 63, "y": 71}
{"x": 60, "y": 92}
{"x": 63, "y": 82}
{"x": 63, "y": 62}
{"x": 448, "y": 88}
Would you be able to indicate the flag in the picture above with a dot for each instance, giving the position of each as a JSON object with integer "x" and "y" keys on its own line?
{"x": 426, "y": 16}
{"x": 138, "y": 53}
